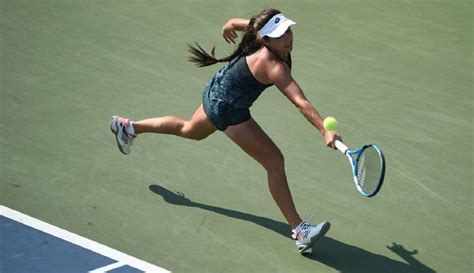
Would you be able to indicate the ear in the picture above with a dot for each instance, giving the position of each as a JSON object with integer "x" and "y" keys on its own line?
{"x": 264, "y": 41}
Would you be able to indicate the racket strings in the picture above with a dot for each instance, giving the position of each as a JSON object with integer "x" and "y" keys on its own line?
{"x": 369, "y": 169}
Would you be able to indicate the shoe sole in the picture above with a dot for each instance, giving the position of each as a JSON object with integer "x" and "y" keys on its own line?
{"x": 112, "y": 123}
{"x": 322, "y": 232}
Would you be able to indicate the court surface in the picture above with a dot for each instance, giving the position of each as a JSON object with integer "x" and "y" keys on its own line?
{"x": 395, "y": 73}
{"x": 31, "y": 245}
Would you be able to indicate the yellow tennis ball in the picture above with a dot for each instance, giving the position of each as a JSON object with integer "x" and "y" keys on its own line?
{"x": 330, "y": 123}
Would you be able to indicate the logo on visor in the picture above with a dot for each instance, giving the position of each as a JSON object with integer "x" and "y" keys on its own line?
{"x": 277, "y": 20}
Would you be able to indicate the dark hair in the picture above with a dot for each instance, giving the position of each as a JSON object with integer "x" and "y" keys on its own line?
{"x": 248, "y": 45}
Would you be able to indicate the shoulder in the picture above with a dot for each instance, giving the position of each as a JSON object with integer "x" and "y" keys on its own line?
{"x": 267, "y": 68}
{"x": 273, "y": 65}
{"x": 277, "y": 70}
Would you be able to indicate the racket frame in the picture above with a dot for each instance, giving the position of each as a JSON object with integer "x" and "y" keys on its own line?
{"x": 353, "y": 156}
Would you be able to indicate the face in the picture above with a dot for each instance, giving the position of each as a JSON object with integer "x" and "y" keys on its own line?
{"x": 282, "y": 45}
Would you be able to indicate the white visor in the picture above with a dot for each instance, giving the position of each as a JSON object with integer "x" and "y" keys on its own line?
{"x": 276, "y": 27}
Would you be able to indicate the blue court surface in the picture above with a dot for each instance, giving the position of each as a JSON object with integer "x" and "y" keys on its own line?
{"x": 30, "y": 245}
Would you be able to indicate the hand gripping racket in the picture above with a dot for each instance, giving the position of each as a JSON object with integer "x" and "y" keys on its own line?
{"x": 368, "y": 167}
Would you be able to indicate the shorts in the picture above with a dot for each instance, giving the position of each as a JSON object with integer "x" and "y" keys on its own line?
{"x": 221, "y": 113}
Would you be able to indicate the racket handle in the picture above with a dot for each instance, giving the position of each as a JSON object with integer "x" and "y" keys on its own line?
{"x": 341, "y": 146}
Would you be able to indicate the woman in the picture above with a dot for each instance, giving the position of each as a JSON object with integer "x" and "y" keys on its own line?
{"x": 261, "y": 60}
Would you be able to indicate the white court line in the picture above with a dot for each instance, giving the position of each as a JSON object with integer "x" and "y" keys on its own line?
{"x": 120, "y": 257}
{"x": 107, "y": 267}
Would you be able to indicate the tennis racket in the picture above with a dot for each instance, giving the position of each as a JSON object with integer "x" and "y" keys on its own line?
{"x": 368, "y": 167}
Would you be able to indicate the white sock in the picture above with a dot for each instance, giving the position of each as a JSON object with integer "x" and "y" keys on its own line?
{"x": 296, "y": 229}
{"x": 130, "y": 129}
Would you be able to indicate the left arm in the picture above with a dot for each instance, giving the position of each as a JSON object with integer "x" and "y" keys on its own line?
{"x": 230, "y": 27}
{"x": 281, "y": 77}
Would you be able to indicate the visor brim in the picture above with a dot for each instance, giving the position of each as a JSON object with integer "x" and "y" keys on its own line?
{"x": 281, "y": 29}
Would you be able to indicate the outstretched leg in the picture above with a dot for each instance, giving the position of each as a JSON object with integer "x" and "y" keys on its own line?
{"x": 255, "y": 142}
{"x": 125, "y": 130}
{"x": 197, "y": 128}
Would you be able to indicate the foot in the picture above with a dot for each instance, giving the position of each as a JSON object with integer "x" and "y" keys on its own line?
{"x": 307, "y": 234}
{"x": 118, "y": 126}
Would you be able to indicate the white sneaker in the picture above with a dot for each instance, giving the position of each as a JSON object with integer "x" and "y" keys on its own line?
{"x": 307, "y": 234}
{"x": 124, "y": 139}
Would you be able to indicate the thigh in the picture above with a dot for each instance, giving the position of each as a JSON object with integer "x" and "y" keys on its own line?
{"x": 255, "y": 142}
{"x": 199, "y": 125}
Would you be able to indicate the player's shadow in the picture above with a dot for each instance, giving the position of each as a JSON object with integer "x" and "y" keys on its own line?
{"x": 342, "y": 257}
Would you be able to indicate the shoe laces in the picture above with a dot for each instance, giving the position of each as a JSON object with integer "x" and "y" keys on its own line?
{"x": 127, "y": 139}
{"x": 126, "y": 136}
{"x": 303, "y": 230}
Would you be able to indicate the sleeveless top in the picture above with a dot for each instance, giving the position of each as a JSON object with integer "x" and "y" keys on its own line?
{"x": 229, "y": 94}
{"x": 235, "y": 84}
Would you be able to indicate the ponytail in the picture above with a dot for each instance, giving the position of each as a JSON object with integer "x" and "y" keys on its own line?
{"x": 200, "y": 57}
{"x": 249, "y": 44}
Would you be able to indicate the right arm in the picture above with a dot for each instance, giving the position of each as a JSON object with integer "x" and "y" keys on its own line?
{"x": 230, "y": 27}
{"x": 280, "y": 75}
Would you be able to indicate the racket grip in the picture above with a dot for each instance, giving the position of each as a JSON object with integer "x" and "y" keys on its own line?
{"x": 341, "y": 146}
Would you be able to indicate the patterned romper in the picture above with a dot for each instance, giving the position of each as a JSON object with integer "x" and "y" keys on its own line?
{"x": 230, "y": 92}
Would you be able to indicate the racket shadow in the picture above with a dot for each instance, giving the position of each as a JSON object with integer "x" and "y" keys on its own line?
{"x": 343, "y": 257}
{"x": 351, "y": 259}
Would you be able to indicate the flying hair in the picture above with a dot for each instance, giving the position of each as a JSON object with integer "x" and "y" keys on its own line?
{"x": 248, "y": 45}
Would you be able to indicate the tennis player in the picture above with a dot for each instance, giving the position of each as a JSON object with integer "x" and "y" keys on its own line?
{"x": 261, "y": 60}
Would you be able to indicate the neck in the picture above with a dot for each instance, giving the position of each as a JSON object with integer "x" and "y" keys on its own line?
{"x": 281, "y": 56}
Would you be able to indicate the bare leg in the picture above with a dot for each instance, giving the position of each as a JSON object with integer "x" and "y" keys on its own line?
{"x": 197, "y": 128}
{"x": 253, "y": 140}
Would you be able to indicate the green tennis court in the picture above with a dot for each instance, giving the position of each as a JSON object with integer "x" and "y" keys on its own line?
{"x": 396, "y": 73}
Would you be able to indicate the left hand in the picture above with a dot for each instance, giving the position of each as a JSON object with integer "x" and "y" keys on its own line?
{"x": 330, "y": 138}
{"x": 229, "y": 33}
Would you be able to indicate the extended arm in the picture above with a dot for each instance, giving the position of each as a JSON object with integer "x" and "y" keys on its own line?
{"x": 283, "y": 80}
{"x": 230, "y": 28}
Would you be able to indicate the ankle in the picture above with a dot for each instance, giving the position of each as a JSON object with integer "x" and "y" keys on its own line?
{"x": 130, "y": 128}
{"x": 296, "y": 230}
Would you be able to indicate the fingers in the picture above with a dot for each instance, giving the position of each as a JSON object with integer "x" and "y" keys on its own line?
{"x": 229, "y": 39}
{"x": 226, "y": 39}
{"x": 331, "y": 140}
{"x": 229, "y": 36}
{"x": 234, "y": 34}
{"x": 331, "y": 144}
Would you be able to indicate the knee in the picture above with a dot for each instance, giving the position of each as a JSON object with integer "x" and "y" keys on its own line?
{"x": 275, "y": 164}
{"x": 191, "y": 132}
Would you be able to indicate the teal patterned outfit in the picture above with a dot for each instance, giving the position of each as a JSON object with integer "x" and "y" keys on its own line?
{"x": 229, "y": 94}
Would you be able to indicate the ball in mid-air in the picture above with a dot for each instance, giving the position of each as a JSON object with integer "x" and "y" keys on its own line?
{"x": 330, "y": 123}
